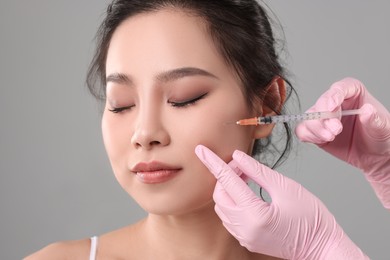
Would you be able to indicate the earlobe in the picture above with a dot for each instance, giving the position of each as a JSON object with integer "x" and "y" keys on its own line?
{"x": 262, "y": 131}
{"x": 272, "y": 104}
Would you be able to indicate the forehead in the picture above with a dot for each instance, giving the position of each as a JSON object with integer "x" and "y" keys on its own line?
{"x": 163, "y": 39}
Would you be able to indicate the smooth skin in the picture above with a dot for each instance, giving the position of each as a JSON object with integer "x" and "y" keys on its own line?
{"x": 174, "y": 91}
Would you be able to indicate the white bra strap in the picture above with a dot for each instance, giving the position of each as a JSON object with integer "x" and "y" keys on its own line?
{"x": 92, "y": 253}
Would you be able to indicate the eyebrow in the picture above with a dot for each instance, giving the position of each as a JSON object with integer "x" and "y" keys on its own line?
{"x": 119, "y": 78}
{"x": 164, "y": 77}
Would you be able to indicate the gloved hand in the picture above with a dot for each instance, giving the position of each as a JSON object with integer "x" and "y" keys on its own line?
{"x": 362, "y": 141}
{"x": 295, "y": 225}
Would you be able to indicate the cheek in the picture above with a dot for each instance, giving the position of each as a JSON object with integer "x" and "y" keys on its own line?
{"x": 225, "y": 136}
{"x": 209, "y": 127}
{"x": 224, "y": 139}
{"x": 115, "y": 139}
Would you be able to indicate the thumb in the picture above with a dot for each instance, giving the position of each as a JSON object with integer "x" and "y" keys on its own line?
{"x": 376, "y": 125}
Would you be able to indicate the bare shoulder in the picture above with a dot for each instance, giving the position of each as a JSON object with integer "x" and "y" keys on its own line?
{"x": 117, "y": 244}
{"x": 78, "y": 249}
{"x": 124, "y": 243}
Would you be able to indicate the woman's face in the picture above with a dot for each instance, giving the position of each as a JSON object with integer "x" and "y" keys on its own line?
{"x": 168, "y": 90}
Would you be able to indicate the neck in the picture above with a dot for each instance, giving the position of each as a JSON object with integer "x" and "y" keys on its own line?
{"x": 199, "y": 235}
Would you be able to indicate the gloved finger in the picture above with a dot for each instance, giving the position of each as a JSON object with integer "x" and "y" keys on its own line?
{"x": 236, "y": 222}
{"x": 348, "y": 89}
{"x": 232, "y": 229}
{"x": 221, "y": 214}
{"x": 237, "y": 189}
{"x": 236, "y": 231}
{"x": 265, "y": 177}
{"x": 317, "y": 131}
{"x": 376, "y": 126}
{"x": 232, "y": 164}
{"x": 233, "y": 215}
{"x": 220, "y": 196}
{"x": 333, "y": 125}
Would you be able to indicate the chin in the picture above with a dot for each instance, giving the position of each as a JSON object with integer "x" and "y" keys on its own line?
{"x": 176, "y": 208}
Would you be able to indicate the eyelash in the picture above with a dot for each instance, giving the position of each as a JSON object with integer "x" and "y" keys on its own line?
{"x": 188, "y": 102}
{"x": 174, "y": 104}
{"x": 119, "y": 109}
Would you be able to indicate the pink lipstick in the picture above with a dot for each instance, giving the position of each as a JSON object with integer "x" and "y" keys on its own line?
{"x": 155, "y": 172}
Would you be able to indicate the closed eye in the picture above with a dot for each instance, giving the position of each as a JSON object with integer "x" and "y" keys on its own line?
{"x": 188, "y": 102}
{"x": 120, "y": 109}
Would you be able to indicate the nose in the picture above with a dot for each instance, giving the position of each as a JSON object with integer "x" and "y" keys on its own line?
{"x": 149, "y": 132}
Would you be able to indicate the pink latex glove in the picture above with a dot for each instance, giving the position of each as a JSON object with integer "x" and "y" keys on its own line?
{"x": 362, "y": 141}
{"x": 295, "y": 225}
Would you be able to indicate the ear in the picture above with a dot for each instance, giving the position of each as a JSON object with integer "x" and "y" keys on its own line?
{"x": 273, "y": 101}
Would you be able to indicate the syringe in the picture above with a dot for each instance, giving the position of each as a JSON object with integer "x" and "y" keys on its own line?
{"x": 301, "y": 117}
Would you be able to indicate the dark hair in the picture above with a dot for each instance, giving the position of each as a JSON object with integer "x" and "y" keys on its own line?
{"x": 242, "y": 32}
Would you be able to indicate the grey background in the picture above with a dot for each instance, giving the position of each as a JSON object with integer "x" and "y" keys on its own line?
{"x": 55, "y": 179}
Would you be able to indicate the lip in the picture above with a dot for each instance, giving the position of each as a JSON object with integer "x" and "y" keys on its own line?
{"x": 155, "y": 172}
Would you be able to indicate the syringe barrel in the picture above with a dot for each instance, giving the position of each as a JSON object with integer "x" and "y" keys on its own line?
{"x": 300, "y": 117}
